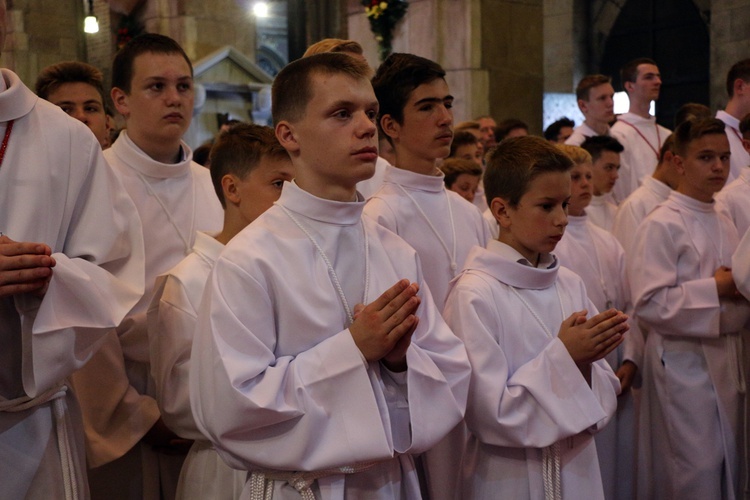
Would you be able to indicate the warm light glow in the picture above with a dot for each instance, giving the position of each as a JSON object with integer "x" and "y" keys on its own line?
{"x": 260, "y": 9}
{"x": 90, "y": 25}
{"x": 622, "y": 104}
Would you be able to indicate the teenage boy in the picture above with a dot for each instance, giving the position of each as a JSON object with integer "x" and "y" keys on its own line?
{"x": 487, "y": 126}
{"x": 416, "y": 116}
{"x": 637, "y": 130}
{"x": 248, "y": 170}
{"x": 465, "y": 145}
{"x": 558, "y": 132}
{"x": 540, "y": 386}
{"x": 684, "y": 293}
{"x": 78, "y": 90}
{"x": 595, "y": 97}
{"x": 653, "y": 191}
{"x": 738, "y": 90}
{"x": 605, "y": 153}
{"x": 735, "y": 197}
{"x": 71, "y": 266}
{"x": 129, "y": 447}
{"x": 293, "y": 379}
{"x": 461, "y": 176}
{"x": 596, "y": 256}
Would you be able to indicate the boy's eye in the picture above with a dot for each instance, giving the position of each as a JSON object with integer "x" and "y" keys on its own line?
{"x": 278, "y": 183}
{"x": 449, "y": 104}
{"x": 342, "y": 113}
{"x": 372, "y": 115}
{"x": 156, "y": 86}
{"x": 184, "y": 86}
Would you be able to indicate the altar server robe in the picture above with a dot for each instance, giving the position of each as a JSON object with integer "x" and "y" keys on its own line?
{"x": 735, "y": 199}
{"x": 172, "y": 319}
{"x": 692, "y": 367}
{"x": 277, "y": 381}
{"x": 642, "y": 139}
{"x": 580, "y": 133}
{"x": 526, "y": 392}
{"x": 595, "y": 255}
{"x": 631, "y": 212}
{"x": 741, "y": 265}
{"x": 601, "y": 211}
{"x": 392, "y": 208}
{"x": 55, "y": 188}
{"x": 740, "y": 158}
{"x": 173, "y": 201}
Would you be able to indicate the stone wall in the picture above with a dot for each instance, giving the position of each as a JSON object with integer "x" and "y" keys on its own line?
{"x": 730, "y": 43}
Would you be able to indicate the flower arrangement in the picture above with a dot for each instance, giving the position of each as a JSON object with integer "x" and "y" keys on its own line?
{"x": 384, "y": 15}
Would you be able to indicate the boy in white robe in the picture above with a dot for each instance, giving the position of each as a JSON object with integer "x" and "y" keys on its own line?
{"x": 595, "y": 255}
{"x": 71, "y": 266}
{"x": 248, "y": 169}
{"x": 738, "y": 90}
{"x": 130, "y": 450}
{"x": 653, "y": 191}
{"x": 735, "y": 196}
{"x": 416, "y": 115}
{"x": 685, "y": 295}
{"x": 595, "y": 97}
{"x": 291, "y": 379}
{"x": 540, "y": 386}
{"x": 637, "y": 130}
{"x": 605, "y": 153}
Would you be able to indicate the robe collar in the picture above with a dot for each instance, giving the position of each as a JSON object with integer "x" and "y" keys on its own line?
{"x": 577, "y": 225}
{"x": 414, "y": 181}
{"x": 339, "y": 213}
{"x": 600, "y": 201}
{"x": 657, "y": 187}
{"x": 506, "y": 265}
{"x": 685, "y": 201}
{"x": 634, "y": 119}
{"x": 745, "y": 175}
{"x": 133, "y": 156}
{"x": 207, "y": 247}
{"x": 728, "y": 119}
{"x": 16, "y": 100}
{"x": 587, "y": 131}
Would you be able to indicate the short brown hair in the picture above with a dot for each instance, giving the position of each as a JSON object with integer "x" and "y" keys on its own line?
{"x": 587, "y": 83}
{"x": 470, "y": 125}
{"x": 453, "y": 167}
{"x": 515, "y": 162}
{"x": 691, "y": 111}
{"x": 292, "y": 90}
{"x": 629, "y": 71}
{"x": 577, "y": 154}
{"x": 667, "y": 147}
{"x": 334, "y": 45}
{"x": 239, "y": 151}
{"x": 51, "y": 77}
{"x": 692, "y": 130}
{"x": 740, "y": 70}
{"x": 148, "y": 43}
{"x": 462, "y": 138}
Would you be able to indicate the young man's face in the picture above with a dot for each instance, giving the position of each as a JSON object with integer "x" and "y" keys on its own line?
{"x": 606, "y": 171}
{"x": 84, "y": 103}
{"x": 647, "y": 84}
{"x": 536, "y": 225}
{"x": 335, "y": 141}
{"x": 427, "y": 129}
{"x": 262, "y": 186}
{"x": 466, "y": 185}
{"x": 471, "y": 152}
{"x": 487, "y": 130}
{"x": 600, "y": 105}
{"x": 159, "y": 106}
{"x": 704, "y": 167}
{"x": 581, "y": 188}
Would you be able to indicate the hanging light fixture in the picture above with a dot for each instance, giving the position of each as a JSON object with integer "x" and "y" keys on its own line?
{"x": 91, "y": 23}
{"x": 261, "y": 9}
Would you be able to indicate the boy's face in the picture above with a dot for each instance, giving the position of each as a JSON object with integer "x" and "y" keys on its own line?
{"x": 159, "y": 106}
{"x": 647, "y": 84}
{"x": 471, "y": 152}
{"x": 262, "y": 186}
{"x": 606, "y": 171}
{"x": 564, "y": 134}
{"x": 487, "y": 129}
{"x": 704, "y": 167}
{"x": 601, "y": 105}
{"x": 427, "y": 129}
{"x": 466, "y": 186}
{"x": 84, "y": 103}
{"x": 581, "y": 188}
{"x": 537, "y": 223}
{"x": 335, "y": 143}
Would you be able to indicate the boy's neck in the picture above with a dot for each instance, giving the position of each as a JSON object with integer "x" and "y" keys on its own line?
{"x": 575, "y": 211}
{"x": 327, "y": 191}
{"x": 736, "y": 109}
{"x": 599, "y": 127}
{"x": 163, "y": 153}
{"x": 507, "y": 238}
{"x": 640, "y": 108}
{"x": 412, "y": 163}
{"x": 233, "y": 224}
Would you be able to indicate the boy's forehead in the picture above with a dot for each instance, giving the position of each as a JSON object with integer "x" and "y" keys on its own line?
{"x": 715, "y": 142}
{"x": 152, "y": 64}
{"x": 346, "y": 87}
{"x": 437, "y": 88}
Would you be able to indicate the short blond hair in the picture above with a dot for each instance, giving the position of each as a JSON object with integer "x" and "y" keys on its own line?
{"x": 453, "y": 167}
{"x": 575, "y": 153}
{"x": 334, "y": 45}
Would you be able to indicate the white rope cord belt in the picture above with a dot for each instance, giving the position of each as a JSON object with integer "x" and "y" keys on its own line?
{"x": 56, "y": 395}
{"x": 551, "y": 472}
{"x": 261, "y": 481}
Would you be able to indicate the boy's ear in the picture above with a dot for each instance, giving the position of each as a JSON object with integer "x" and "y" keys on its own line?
{"x": 231, "y": 189}
{"x": 390, "y": 127}
{"x": 500, "y": 209}
{"x": 287, "y": 137}
{"x": 628, "y": 86}
{"x": 746, "y": 145}
{"x": 120, "y": 100}
{"x": 583, "y": 106}
{"x": 679, "y": 164}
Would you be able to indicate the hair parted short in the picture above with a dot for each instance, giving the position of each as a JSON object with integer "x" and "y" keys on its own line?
{"x": 239, "y": 151}
{"x": 515, "y": 162}
{"x": 588, "y": 82}
{"x": 629, "y": 71}
{"x": 153, "y": 43}
{"x": 334, "y": 45}
{"x": 692, "y": 130}
{"x": 292, "y": 89}
{"x": 577, "y": 154}
{"x": 596, "y": 144}
{"x": 551, "y": 132}
{"x": 462, "y": 138}
{"x": 506, "y": 126}
{"x": 51, "y": 77}
{"x": 453, "y": 167}
{"x": 691, "y": 111}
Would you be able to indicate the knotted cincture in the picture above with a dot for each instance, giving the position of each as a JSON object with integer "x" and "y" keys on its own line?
{"x": 551, "y": 472}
